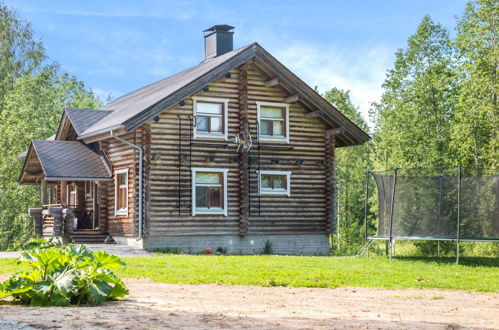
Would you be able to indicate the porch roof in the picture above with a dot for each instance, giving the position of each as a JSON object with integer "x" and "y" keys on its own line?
{"x": 64, "y": 160}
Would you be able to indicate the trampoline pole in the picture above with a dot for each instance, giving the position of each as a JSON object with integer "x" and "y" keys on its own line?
{"x": 391, "y": 210}
{"x": 365, "y": 206}
{"x": 458, "y": 211}
{"x": 439, "y": 215}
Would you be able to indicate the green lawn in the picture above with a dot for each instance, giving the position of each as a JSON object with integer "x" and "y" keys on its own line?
{"x": 474, "y": 274}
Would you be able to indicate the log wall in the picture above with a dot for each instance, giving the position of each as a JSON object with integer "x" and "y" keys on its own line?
{"x": 121, "y": 156}
{"x": 304, "y": 212}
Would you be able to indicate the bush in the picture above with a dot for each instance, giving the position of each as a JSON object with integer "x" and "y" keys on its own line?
{"x": 62, "y": 275}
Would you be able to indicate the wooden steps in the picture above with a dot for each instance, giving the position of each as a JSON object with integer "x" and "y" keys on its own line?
{"x": 91, "y": 237}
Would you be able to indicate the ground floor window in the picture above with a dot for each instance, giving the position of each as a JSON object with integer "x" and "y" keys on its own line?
{"x": 72, "y": 195}
{"x": 121, "y": 192}
{"x": 275, "y": 183}
{"x": 209, "y": 191}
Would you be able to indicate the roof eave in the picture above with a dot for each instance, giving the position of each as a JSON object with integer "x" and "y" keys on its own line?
{"x": 70, "y": 178}
{"x": 101, "y": 131}
{"x": 190, "y": 88}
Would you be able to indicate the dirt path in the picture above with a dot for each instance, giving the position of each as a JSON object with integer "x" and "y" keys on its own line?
{"x": 155, "y": 305}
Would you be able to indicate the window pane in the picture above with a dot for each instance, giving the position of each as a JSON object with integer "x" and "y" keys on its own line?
{"x": 214, "y": 108}
{"x": 215, "y": 197}
{"x": 202, "y": 123}
{"x": 201, "y": 196}
{"x": 122, "y": 198}
{"x": 271, "y": 112}
{"x": 265, "y": 181}
{"x": 208, "y": 178}
{"x": 266, "y": 127}
{"x": 278, "y": 127}
{"x": 216, "y": 124}
{"x": 121, "y": 179}
{"x": 279, "y": 182}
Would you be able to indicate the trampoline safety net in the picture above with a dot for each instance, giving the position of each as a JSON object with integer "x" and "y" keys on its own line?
{"x": 425, "y": 204}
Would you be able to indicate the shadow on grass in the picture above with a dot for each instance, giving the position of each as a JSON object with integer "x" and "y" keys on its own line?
{"x": 464, "y": 261}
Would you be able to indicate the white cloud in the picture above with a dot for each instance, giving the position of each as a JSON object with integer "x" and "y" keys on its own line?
{"x": 360, "y": 70}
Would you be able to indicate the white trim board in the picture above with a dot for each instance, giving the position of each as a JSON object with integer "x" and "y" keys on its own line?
{"x": 275, "y": 192}
{"x": 225, "y": 135}
{"x": 194, "y": 170}
{"x": 116, "y": 211}
{"x": 273, "y": 104}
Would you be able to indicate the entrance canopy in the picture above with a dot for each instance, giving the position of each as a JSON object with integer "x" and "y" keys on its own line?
{"x": 64, "y": 161}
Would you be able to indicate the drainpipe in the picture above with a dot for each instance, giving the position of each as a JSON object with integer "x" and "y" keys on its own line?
{"x": 141, "y": 174}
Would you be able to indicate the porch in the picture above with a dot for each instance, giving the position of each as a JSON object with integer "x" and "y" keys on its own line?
{"x": 69, "y": 174}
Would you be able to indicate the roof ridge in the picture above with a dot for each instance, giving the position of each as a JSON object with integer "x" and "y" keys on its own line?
{"x": 123, "y": 97}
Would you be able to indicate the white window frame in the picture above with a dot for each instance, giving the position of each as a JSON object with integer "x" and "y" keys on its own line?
{"x": 88, "y": 189}
{"x": 225, "y": 134}
{"x": 286, "y": 121}
{"x": 193, "y": 192}
{"x": 266, "y": 191}
{"x": 120, "y": 211}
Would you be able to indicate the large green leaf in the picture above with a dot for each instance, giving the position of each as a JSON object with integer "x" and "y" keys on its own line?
{"x": 106, "y": 260}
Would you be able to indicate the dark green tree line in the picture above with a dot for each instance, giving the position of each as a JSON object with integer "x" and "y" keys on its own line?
{"x": 32, "y": 98}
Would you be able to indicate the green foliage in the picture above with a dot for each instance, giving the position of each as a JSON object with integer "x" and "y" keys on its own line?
{"x": 33, "y": 95}
{"x": 352, "y": 164}
{"x": 267, "y": 249}
{"x": 19, "y": 53}
{"x": 62, "y": 275}
{"x": 475, "y": 133}
{"x": 417, "y": 107}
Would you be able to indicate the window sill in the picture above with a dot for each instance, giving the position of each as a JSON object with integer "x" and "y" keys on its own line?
{"x": 210, "y": 136}
{"x": 273, "y": 139}
{"x": 275, "y": 192}
{"x": 209, "y": 211}
{"x": 121, "y": 213}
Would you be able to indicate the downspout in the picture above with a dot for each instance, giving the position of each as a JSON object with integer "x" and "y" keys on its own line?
{"x": 141, "y": 174}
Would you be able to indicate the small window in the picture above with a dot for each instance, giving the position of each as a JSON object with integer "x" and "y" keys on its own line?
{"x": 209, "y": 191}
{"x": 121, "y": 192}
{"x": 275, "y": 183}
{"x": 274, "y": 122}
{"x": 88, "y": 189}
{"x": 210, "y": 117}
{"x": 72, "y": 197}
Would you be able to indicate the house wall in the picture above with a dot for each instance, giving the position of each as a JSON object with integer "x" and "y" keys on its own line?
{"x": 302, "y": 213}
{"x": 121, "y": 156}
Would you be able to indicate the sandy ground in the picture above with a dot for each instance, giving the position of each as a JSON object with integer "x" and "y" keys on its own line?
{"x": 157, "y": 305}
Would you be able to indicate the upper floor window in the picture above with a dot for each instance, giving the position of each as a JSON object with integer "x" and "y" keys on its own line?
{"x": 121, "y": 192}
{"x": 274, "y": 121}
{"x": 275, "y": 183}
{"x": 209, "y": 191}
{"x": 210, "y": 117}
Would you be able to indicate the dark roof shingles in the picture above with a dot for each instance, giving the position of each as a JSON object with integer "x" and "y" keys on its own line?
{"x": 85, "y": 118}
{"x": 133, "y": 103}
{"x": 70, "y": 159}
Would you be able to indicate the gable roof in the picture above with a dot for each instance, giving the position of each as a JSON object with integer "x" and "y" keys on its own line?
{"x": 82, "y": 119}
{"x": 135, "y": 108}
{"x": 134, "y": 103}
{"x": 70, "y": 160}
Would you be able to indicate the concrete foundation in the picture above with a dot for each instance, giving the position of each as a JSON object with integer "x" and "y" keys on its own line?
{"x": 252, "y": 244}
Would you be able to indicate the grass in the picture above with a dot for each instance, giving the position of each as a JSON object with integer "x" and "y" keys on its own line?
{"x": 473, "y": 274}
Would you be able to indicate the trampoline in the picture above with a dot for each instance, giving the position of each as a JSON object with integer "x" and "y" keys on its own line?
{"x": 457, "y": 204}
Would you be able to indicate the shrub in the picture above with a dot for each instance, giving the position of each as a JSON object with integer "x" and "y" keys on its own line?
{"x": 62, "y": 275}
{"x": 267, "y": 249}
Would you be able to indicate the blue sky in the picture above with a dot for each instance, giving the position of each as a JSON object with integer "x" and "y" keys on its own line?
{"x": 118, "y": 46}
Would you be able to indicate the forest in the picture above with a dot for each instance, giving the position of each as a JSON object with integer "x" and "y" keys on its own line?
{"x": 438, "y": 109}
